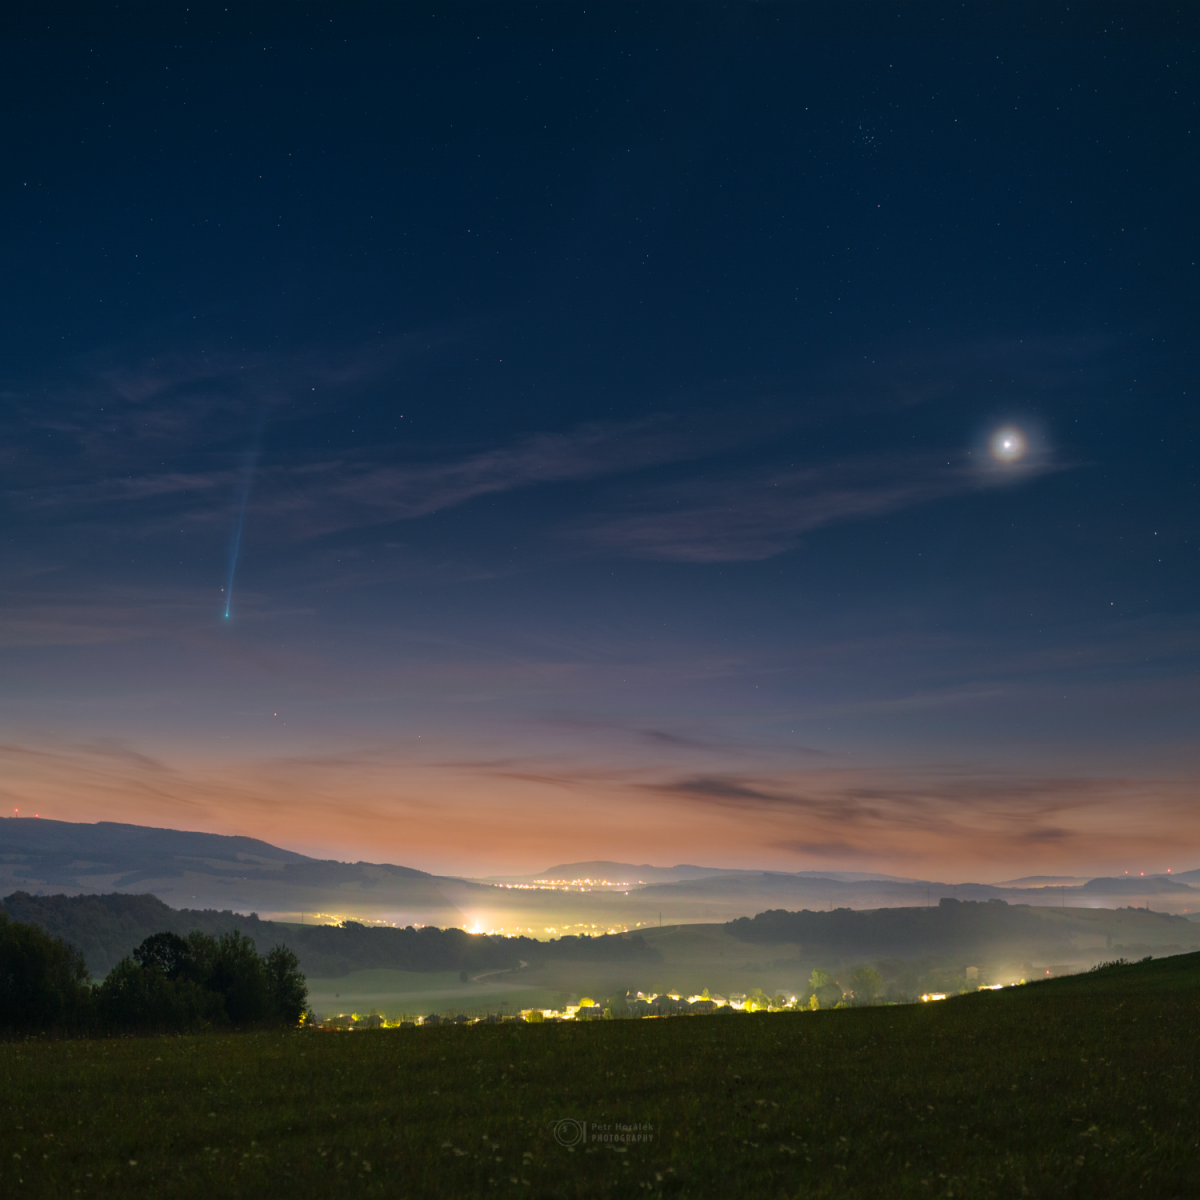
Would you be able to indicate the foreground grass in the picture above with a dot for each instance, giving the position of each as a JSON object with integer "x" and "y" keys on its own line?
{"x": 1078, "y": 1087}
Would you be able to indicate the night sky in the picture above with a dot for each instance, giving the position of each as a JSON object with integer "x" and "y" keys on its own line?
{"x": 486, "y": 437}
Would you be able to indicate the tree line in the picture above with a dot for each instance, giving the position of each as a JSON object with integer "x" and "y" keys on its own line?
{"x": 950, "y": 926}
{"x": 170, "y": 983}
{"x": 105, "y": 926}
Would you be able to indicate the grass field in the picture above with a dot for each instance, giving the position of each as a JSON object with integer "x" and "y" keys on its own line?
{"x": 396, "y": 994}
{"x": 1077, "y": 1087}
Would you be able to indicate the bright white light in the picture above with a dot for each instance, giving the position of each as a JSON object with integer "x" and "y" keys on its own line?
{"x": 1008, "y": 444}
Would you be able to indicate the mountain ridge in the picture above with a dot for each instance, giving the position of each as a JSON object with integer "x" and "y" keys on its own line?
{"x": 194, "y": 870}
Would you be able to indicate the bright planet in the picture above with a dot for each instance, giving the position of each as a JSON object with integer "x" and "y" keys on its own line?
{"x": 1008, "y": 445}
{"x": 782, "y": 584}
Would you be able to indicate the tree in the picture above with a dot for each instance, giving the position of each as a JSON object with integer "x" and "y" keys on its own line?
{"x": 138, "y": 997}
{"x": 43, "y": 980}
{"x": 168, "y": 952}
{"x": 824, "y": 987}
{"x": 866, "y": 983}
{"x": 238, "y": 976}
{"x": 286, "y": 986}
{"x": 171, "y": 982}
{"x": 617, "y": 1005}
{"x": 163, "y": 985}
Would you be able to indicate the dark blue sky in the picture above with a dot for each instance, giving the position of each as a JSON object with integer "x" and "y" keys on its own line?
{"x": 609, "y": 389}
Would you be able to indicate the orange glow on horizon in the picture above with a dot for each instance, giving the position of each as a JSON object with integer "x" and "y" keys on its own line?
{"x": 452, "y": 814}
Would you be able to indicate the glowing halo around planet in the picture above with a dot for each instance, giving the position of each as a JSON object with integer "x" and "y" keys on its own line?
{"x": 1008, "y": 444}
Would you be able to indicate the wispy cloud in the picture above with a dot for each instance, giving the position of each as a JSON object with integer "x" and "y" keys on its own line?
{"x": 147, "y": 456}
{"x": 320, "y": 497}
{"x": 156, "y": 441}
{"x": 755, "y": 516}
{"x": 459, "y": 810}
{"x": 115, "y": 416}
{"x": 952, "y": 815}
{"x": 995, "y": 369}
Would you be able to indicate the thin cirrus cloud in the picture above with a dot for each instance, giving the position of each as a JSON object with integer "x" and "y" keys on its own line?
{"x": 903, "y": 819}
{"x": 947, "y": 815}
{"x": 736, "y": 517}
{"x": 729, "y": 515}
{"x": 117, "y": 410}
{"x": 323, "y": 497}
{"x": 905, "y": 375}
{"x": 301, "y": 496}
{"x": 752, "y": 517}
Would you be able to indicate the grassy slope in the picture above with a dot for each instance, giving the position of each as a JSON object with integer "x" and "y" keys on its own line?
{"x": 1076, "y": 1087}
{"x": 397, "y": 994}
{"x": 708, "y": 956}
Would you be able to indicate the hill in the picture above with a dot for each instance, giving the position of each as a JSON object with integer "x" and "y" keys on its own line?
{"x": 107, "y": 928}
{"x": 205, "y": 870}
{"x": 981, "y": 931}
{"x": 617, "y": 872}
{"x": 775, "y": 950}
{"x": 1075, "y": 1087}
{"x": 200, "y": 871}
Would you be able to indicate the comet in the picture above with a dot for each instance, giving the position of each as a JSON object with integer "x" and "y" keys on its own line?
{"x": 235, "y": 544}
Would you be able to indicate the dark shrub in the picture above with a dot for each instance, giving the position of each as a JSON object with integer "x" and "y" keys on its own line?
{"x": 239, "y": 977}
{"x": 170, "y": 953}
{"x": 173, "y": 983}
{"x": 286, "y": 987}
{"x": 43, "y": 980}
{"x": 138, "y": 997}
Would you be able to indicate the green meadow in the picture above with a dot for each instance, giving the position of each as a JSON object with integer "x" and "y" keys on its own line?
{"x": 1077, "y": 1087}
{"x": 399, "y": 994}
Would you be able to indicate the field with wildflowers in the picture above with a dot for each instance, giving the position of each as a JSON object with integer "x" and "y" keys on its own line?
{"x": 1082, "y": 1086}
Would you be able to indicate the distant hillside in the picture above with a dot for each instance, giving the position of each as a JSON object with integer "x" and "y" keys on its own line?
{"x": 1027, "y": 881}
{"x": 618, "y": 872}
{"x": 968, "y": 927}
{"x": 204, "y": 870}
{"x": 646, "y": 873}
{"x": 77, "y": 845}
{"x": 1184, "y": 876}
{"x": 1124, "y": 885}
{"x": 67, "y": 853}
{"x": 107, "y": 928}
{"x": 712, "y": 898}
